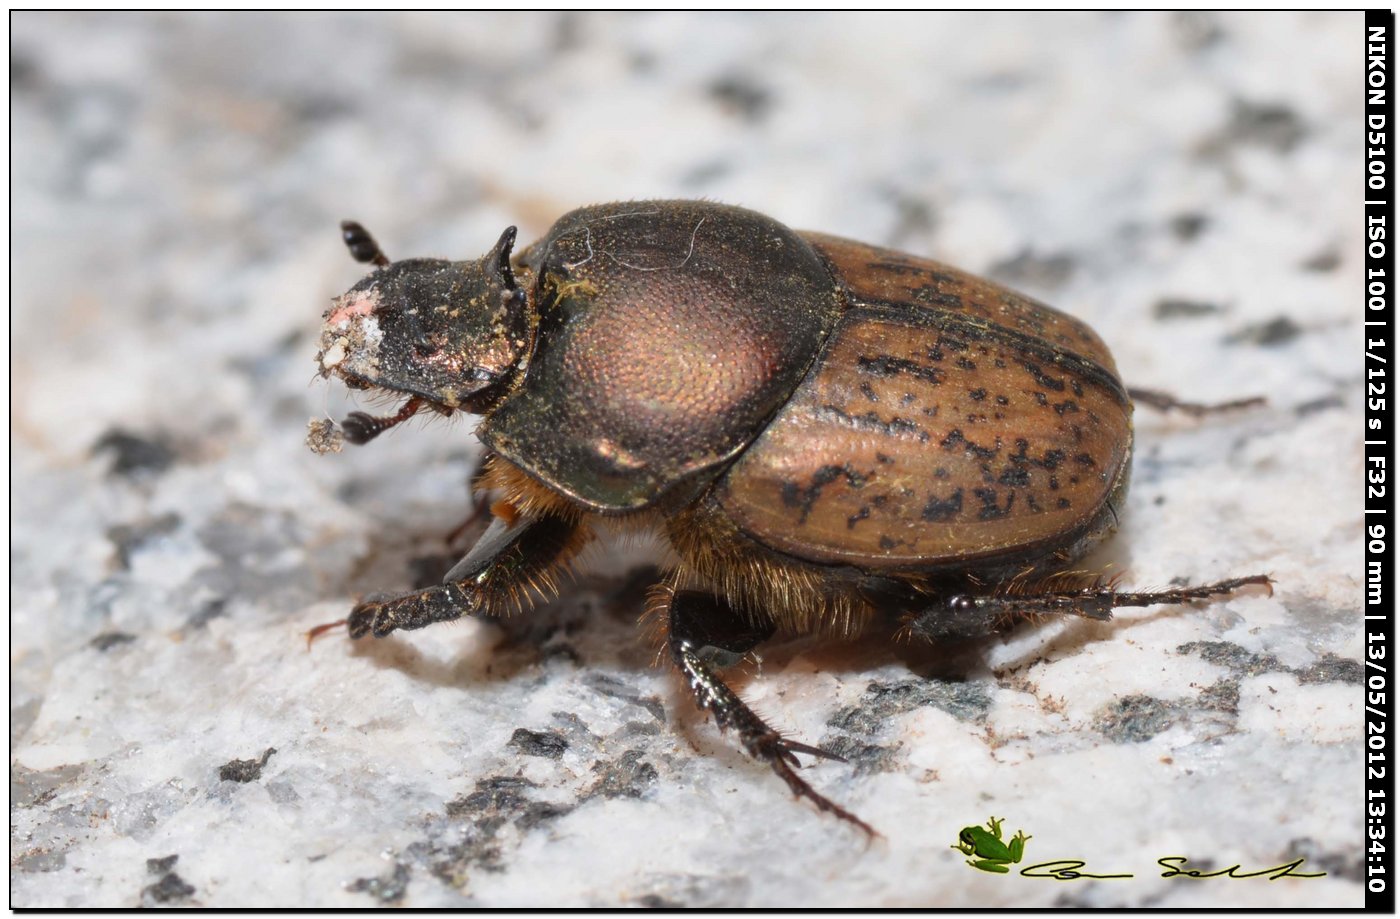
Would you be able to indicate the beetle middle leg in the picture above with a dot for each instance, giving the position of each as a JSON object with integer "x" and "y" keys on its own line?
{"x": 971, "y": 615}
{"x": 705, "y": 632}
{"x": 514, "y": 564}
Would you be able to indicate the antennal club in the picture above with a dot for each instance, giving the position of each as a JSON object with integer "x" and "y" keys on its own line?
{"x": 361, "y": 428}
{"x": 362, "y": 246}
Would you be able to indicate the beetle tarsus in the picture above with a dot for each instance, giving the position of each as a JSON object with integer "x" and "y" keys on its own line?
{"x": 693, "y": 614}
{"x": 405, "y": 612}
{"x": 1166, "y": 402}
{"x": 317, "y": 631}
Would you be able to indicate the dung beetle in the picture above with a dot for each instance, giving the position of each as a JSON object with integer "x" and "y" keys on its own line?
{"x": 833, "y": 437}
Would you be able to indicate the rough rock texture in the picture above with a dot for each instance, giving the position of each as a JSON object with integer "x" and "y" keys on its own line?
{"x": 1188, "y": 183}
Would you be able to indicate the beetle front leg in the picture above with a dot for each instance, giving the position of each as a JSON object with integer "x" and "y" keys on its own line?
{"x": 968, "y": 615}
{"x": 511, "y": 567}
{"x": 705, "y": 631}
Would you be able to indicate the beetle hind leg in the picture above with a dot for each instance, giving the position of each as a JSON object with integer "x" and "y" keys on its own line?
{"x": 969, "y": 615}
{"x": 704, "y": 632}
{"x": 1166, "y": 402}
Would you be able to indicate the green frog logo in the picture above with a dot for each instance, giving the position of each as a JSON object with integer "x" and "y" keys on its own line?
{"x": 987, "y": 851}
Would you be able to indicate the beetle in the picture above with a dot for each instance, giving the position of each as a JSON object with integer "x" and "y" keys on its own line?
{"x": 833, "y": 437}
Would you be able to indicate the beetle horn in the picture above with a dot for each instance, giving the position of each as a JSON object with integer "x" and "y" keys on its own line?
{"x": 362, "y": 246}
{"x": 501, "y": 256}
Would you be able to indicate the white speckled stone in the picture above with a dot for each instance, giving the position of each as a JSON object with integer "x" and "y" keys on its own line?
{"x": 177, "y": 183}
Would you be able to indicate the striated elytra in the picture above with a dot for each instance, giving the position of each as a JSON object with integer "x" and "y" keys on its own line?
{"x": 833, "y": 437}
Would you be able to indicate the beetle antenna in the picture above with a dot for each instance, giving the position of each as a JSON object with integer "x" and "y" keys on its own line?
{"x": 362, "y": 246}
{"x": 361, "y": 427}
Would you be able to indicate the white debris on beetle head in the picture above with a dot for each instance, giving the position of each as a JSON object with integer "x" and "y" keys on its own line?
{"x": 351, "y": 337}
{"x": 335, "y": 354}
{"x": 324, "y": 436}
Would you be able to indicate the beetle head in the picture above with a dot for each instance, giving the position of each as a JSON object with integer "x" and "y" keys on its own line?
{"x": 446, "y": 333}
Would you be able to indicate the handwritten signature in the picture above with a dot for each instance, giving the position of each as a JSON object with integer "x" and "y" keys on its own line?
{"x": 1070, "y": 869}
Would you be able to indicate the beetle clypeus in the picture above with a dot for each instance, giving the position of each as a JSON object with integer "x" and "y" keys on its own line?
{"x": 833, "y": 437}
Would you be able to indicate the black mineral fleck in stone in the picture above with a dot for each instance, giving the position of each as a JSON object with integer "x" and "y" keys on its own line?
{"x": 171, "y": 888}
{"x": 134, "y": 455}
{"x": 626, "y": 777}
{"x": 391, "y": 888}
{"x": 161, "y": 865}
{"x": 1174, "y": 308}
{"x": 1275, "y": 332}
{"x": 742, "y": 96}
{"x": 548, "y": 744}
{"x": 108, "y": 640}
{"x": 245, "y": 770}
{"x": 1136, "y": 718}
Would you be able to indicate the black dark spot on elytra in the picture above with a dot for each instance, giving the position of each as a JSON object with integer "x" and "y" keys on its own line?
{"x": 1041, "y": 379}
{"x": 1013, "y": 475}
{"x": 886, "y": 366}
{"x": 938, "y": 509}
{"x": 955, "y": 440}
{"x": 794, "y": 495}
{"x": 992, "y": 508}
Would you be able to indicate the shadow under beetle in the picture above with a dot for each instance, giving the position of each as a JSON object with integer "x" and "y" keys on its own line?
{"x": 833, "y": 437}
